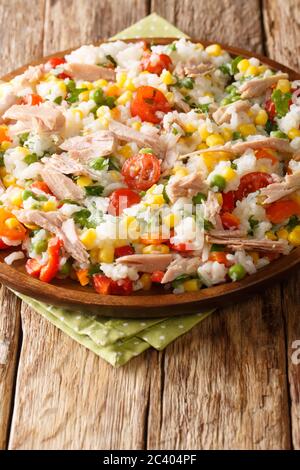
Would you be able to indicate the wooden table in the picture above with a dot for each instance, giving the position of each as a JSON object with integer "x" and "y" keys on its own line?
{"x": 228, "y": 384}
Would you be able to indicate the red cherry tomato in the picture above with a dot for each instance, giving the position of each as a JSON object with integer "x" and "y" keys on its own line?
{"x": 179, "y": 246}
{"x": 228, "y": 201}
{"x": 120, "y": 199}
{"x": 266, "y": 153}
{"x": 49, "y": 271}
{"x": 279, "y": 211}
{"x": 141, "y": 171}
{"x": 229, "y": 221}
{"x": 32, "y": 99}
{"x": 123, "y": 251}
{"x": 55, "y": 61}
{"x": 41, "y": 186}
{"x": 122, "y": 287}
{"x": 220, "y": 257}
{"x": 102, "y": 284}
{"x": 33, "y": 267}
{"x": 271, "y": 109}
{"x": 252, "y": 182}
{"x": 156, "y": 63}
{"x": 64, "y": 75}
{"x": 147, "y": 102}
{"x": 157, "y": 276}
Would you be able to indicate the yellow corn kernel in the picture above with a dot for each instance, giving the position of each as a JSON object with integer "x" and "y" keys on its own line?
{"x": 282, "y": 234}
{"x": 31, "y": 226}
{"x": 270, "y": 236}
{"x": 136, "y": 125}
{"x": 49, "y": 206}
{"x": 254, "y": 255}
{"x": 251, "y": 70}
{"x": 8, "y": 180}
{"x": 146, "y": 282}
{"x": 83, "y": 181}
{"x": 170, "y": 220}
{"x": 199, "y": 46}
{"x": 125, "y": 97}
{"x": 103, "y": 111}
{"x": 12, "y": 223}
{"x": 219, "y": 198}
{"x": 100, "y": 83}
{"x": 162, "y": 249}
{"x": 94, "y": 255}
{"x": 5, "y": 145}
{"x": 261, "y": 118}
{"x": 294, "y": 236}
{"x": 293, "y": 133}
{"x": 88, "y": 238}
{"x": 243, "y": 65}
{"x": 167, "y": 78}
{"x": 202, "y": 146}
{"x": 130, "y": 228}
{"x": 191, "y": 285}
{"x": 190, "y": 127}
{"x": 23, "y": 150}
{"x": 84, "y": 96}
{"x": 16, "y": 197}
{"x": 214, "y": 50}
{"x": 229, "y": 174}
{"x": 284, "y": 85}
{"x": 87, "y": 85}
{"x": 247, "y": 129}
{"x": 212, "y": 158}
{"x": 227, "y": 134}
{"x": 262, "y": 68}
{"x": 126, "y": 151}
{"x": 156, "y": 199}
{"x": 118, "y": 242}
{"x": 121, "y": 79}
{"x": 208, "y": 93}
{"x": 128, "y": 220}
{"x": 129, "y": 85}
{"x": 115, "y": 113}
{"x": 113, "y": 90}
{"x": 214, "y": 140}
{"x": 116, "y": 176}
{"x": 170, "y": 97}
{"x": 106, "y": 254}
{"x": 204, "y": 132}
{"x": 181, "y": 172}
{"x": 77, "y": 113}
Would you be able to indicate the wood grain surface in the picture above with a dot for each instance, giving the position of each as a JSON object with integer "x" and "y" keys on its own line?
{"x": 229, "y": 383}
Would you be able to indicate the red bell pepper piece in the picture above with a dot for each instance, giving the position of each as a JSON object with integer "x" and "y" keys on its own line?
{"x": 33, "y": 267}
{"x": 123, "y": 251}
{"x": 102, "y": 284}
{"x": 157, "y": 276}
{"x": 49, "y": 271}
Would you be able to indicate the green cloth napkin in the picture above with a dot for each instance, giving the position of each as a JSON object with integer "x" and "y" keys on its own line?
{"x": 119, "y": 340}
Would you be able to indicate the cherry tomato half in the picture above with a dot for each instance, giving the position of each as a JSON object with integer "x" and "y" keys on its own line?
{"x": 147, "y": 102}
{"x": 55, "y": 61}
{"x": 157, "y": 276}
{"x": 271, "y": 109}
{"x": 123, "y": 251}
{"x": 32, "y": 99}
{"x": 141, "y": 171}
{"x": 252, "y": 182}
{"x": 229, "y": 221}
{"x": 156, "y": 63}
{"x": 120, "y": 199}
{"x": 228, "y": 201}
{"x": 279, "y": 211}
{"x": 220, "y": 257}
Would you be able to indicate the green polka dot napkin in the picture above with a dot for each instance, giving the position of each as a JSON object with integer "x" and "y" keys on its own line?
{"x": 119, "y": 340}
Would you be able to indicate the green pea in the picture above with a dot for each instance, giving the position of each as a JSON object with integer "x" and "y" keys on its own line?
{"x": 278, "y": 134}
{"x": 40, "y": 246}
{"x": 237, "y": 272}
{"x": 218, "y": 181}
{"x": 200, "y": 197}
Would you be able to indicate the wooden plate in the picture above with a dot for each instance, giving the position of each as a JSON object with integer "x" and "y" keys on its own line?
{"x": 70, "y": 294}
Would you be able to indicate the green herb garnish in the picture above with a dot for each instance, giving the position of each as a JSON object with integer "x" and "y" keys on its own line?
{"x": 281, "y": 101}
{"x": 95, "y": 190}
{"x": 31, "y": 158}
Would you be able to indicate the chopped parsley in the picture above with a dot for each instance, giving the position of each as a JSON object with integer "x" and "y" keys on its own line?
{"x": 293, "y": 221}
{"x": 82, "y": 218}
{"x": 100, "y": 164}
{"x": 73, "y": 92}
{"x": 95, "y": 190}
{"x": 253, "y": 225}
{"x": 281, "y": 101}
{"x": 31, "y": 158}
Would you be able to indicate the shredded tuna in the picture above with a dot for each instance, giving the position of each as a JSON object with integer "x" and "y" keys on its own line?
{"x": 69, "y": 164}
{"x": 98, "y": 144}
{"x": 6, "y": 102}
{"x": 127, "y": 134}
{"x": 180, "y": 266}
{"x": 179, "y": 102}
{"x": 278, "y": 190}
{"x": 258, "y": 86}
{"x": 224, "y": 113}
{"x": 62, "y": 186}
{"x": 211, "y": 208}
{"x": 187, "y": 186}
{"x": 193, "y": 69}
{"x": 90, "y": 72}
{"x": 30, "y": 77}
{"x": 45, "y": 117}
{"x": 56, "y": 223}
{"x": 250, "y": 244}
{"x": 146, "y": 263}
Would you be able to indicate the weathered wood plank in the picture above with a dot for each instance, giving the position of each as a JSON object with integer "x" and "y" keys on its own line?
{"x": 68, "y": 398}
{"x": 16, "y": 49}
{"x": 233, "y": 22}
{"x": 87, "y": 21}
{"x": 224, "y": 384}
{"x": 21, "y": 33}
{"x": 9, "y": 340}
{"x": 233, "y": 393}
{"x": 282, "y": 26}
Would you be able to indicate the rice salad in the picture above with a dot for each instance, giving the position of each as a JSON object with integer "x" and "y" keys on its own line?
{"x": 128, "y": 165}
